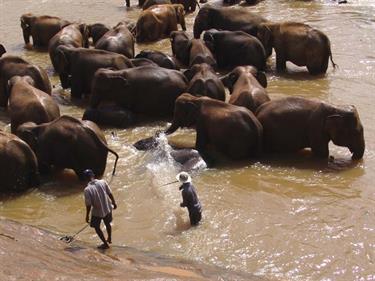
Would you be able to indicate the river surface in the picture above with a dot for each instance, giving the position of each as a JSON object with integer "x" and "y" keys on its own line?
{"x": 283, "y": 217}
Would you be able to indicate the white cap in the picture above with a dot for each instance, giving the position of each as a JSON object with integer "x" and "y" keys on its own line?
{"x": 183, "y": 177}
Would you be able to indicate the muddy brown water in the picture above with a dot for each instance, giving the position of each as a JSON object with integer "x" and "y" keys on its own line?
{"x": 284, "y": 217}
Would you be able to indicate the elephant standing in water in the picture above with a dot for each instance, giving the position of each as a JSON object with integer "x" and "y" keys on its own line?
{"x": 228, "y": 129}
{"x": 159, "y": 21}
{"x": 226, "y": 19}
{"x": 298, "y": 43}
{"x": 292, "y": 123}
{"x": 68, "y": 143}
{"x": 234, "y": 48}
{"x": 12, "y": 66}
{"x": 72, "y": 35}
{"x": 82, "y": 64}
{"x": 247, "y": 87}
{"x": 40, "y": 28}
{"x": 29, "y": 104}
{"x": 19, "y": 166}
{"x": 118, "y": 40}
{"x": 145, "y": 90}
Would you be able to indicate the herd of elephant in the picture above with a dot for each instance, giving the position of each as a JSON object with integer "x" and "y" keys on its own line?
{"x": 121, "y": 86}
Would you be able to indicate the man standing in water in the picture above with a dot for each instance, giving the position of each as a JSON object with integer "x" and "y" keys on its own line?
{"x": 190, "y": 198}
{"x": 97, "y": 194}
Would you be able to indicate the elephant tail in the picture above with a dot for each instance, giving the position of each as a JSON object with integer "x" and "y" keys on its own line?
{"x": 330, "y": 57}
{"x": 117, "y": 157}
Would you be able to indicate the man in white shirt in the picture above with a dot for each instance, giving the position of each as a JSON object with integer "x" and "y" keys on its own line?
{"x": 98, "y": 197}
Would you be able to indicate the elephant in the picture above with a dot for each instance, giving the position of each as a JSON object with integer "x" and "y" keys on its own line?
{"x": 226, "y": 19}
{"x": 190, "y": 52}
{"x": 234, "y": 48}
{"x": 204, "y": 82}
{"x": 29, "y": 104}
{"x": 68, "y": 142}
{"x": 298, "y": 43}
{"x": 145, "y": 90}
{"x": 19, "y": 165}
{"x": 247, "y": 87}
{"x": 293, "y": 123}
{"x": 2, "y": 50}
{"x": 112, "y": 116}
{"x": 40, "y": 28}
{"x": 118, "y": 40}
{"x": 188, "y": 159}
{"x": 161, "y": 59}
{"x": 230, "y": 130}
{"x": 82, "y": 64}
{"x": 11, "y": 66}
{"x": 73, "y": 35}
{"x": 158, "y": 22}
{"x": 148, "y": 3}
{"x": 97, "y": 30}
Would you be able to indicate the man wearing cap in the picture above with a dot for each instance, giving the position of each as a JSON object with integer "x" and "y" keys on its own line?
{"x": 98, "y": 197}
{"x": 190, "y": 198}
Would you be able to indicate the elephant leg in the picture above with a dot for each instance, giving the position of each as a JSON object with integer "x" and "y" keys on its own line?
{"x": 280, "y": 61}
{"x": 201, "y": 145}
{"x": 320, "y": 151}
{"x": 76, "y": 88}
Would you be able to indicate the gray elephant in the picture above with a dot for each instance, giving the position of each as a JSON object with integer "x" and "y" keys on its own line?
{"x": 12, "y": 66}
{"x": 293, "y": 123}
{"x": 234, "y": 48}
{"x": 19, "y": 166}
{"x": 29, "y": 104}
{"x": 188, "y": 158}
{"x": 81, "y": 64}
{"x": 118, "y": 40}
{"x": 298, "y": 43}
{"x": 145, "y": 90}
{"x": 40, "y": 28}
{"x": 204, "y": 82}
{"x": 226, "y": 19}
{"x": 68, "y": 143}
{"x": 73, "y": 35}
{"x": 161, "y": 59}
{"x": 230, "y": 130}
{"x": 247, "y": 87}
{"x": 111, "y": 116}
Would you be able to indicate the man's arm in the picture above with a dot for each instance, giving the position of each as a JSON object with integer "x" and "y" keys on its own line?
{"x": 184, "y": 199}
{"x": 88, "y": 209}
{"x": 112, "y": 200}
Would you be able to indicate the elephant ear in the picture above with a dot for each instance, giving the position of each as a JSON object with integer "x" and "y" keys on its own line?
{"x": 333, "y": 124}
{"x": 262, "y": 79}
{"x": 264, "y": 34}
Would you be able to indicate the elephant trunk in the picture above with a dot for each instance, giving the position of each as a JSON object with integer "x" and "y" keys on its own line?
{"x": 65, "y": 81}
{"x": 358, "y": 149}
{"x": 173, "y": 128}
{"x": 26, "y": 36}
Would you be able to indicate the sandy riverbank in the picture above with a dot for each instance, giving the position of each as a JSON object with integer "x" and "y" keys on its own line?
{"x": 29, "y": 253}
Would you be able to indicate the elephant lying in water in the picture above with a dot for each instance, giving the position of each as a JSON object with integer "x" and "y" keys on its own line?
{"x": 68, "y": 143}
{"x": 291, "y": 124}
{"x": 19, "y": 166}
{"x": 228, "y": 129}
{"x": 188, "y": 158}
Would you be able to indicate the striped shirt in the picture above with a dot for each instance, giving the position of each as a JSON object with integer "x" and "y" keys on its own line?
{"x": 96, "y": 195}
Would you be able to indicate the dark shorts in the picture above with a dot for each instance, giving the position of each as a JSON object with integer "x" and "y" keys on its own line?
{"x": 195, "y": 216}
{"x": 95, "y": 221}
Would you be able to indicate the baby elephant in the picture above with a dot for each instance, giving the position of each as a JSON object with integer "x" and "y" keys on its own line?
{"x": 112, "y": 116}
{"x": 29, "y": 104}
{"x": 204, "y": 82}
{"x": 159, "y": 21}
{"x": 247, "y": 87}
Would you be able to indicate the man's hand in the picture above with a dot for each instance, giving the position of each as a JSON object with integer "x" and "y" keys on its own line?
{"x": 182, "y": 204}
{"x": 114, "y": 206}
{"x": 87, "y": 219}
